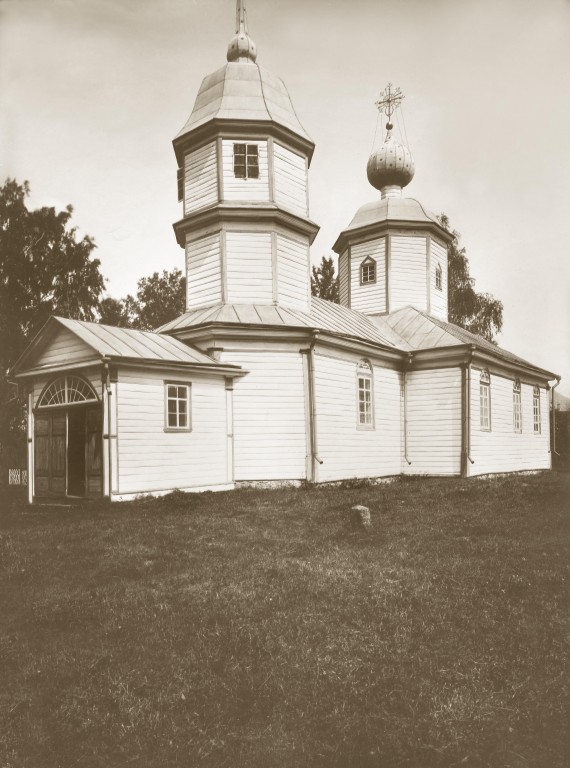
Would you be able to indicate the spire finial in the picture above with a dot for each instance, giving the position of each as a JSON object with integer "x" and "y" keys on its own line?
{"x": 390, "y": 100}
{"x": 241, "y": 47}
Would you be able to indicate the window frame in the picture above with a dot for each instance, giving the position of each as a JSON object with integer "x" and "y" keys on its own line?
{"x": 517, "y": 407}
{"x": 485, "y": 394}
{"x": 438, "y": 278}
{"x": 367, "y": 378}
{"x": 366, "y": 263}
{"x": 536, "y": 411}
{"x": 250, "y": 169}
{"x": 188, "y": 387}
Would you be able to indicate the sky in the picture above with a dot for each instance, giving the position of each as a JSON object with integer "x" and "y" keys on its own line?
{"x": 92, "y": 92}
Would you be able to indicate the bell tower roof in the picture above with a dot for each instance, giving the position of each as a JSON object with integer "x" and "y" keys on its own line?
{"x": 241, "y": 93}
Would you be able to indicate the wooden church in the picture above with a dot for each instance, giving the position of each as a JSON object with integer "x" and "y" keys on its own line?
{"x": 257, "y": 380}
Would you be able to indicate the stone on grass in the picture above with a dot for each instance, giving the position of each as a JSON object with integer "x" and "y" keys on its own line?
{"x": 361, "y": 517}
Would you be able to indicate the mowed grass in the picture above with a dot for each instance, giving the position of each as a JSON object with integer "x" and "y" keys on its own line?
{"x": 258, "y": 628}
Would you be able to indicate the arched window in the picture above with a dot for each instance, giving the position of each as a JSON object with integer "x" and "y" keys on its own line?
{"x": 536, "y": 410}
{"x": 368, "y": 271}
{"x": 67, "y": 390}
{"x": 365, "y": 394}
{"x": 439, "y": 278}
{"x": 517, "y": 407}
{"x": 485, "y": 400}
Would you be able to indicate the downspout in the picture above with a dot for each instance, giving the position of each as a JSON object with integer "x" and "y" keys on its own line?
{"x": 407, "y": 364}
{"x": 107, "y": 436}
{"x": 554, "y": 451}
{"x": 313, "y": 407}
{"x": 468, "y": 409}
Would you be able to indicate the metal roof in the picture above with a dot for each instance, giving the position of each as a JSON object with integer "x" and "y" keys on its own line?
{"x": 243, "y": 90}
{"x": 124, "y": 343}
{"x": 323, "y": 316}
{"x": 391, "y": 209}
{"x": 423, "y": 331}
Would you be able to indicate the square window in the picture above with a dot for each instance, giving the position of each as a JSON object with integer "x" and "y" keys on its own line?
{"x": 177, "y": 406}
{"x": 368, "y": 272}
{"x": 246, "y": 161}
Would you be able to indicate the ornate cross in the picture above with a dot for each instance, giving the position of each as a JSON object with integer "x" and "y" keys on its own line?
{"x": 390, "y": 100}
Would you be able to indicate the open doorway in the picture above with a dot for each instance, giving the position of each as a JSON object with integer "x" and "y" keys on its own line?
{"x": 76, "y": 452}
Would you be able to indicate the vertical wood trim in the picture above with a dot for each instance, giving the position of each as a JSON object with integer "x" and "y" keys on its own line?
{"x": 271, "y": 168}
{"x": 223, "y": 266}
{"x": 230, "y": 470}
{"x": 349, "y": 267}
{"x": 388, "y": 250}
{"x": 307, "y": 183}
{"x": 308, "y": 421}
{"x": 464, "y": 418}
{"x": 31, "y": 469}
{"x": 220, "y": 169}
{"x": 274, "y": 268}
{"x": 117, "y": 470}
{"x": 428, "y": 270}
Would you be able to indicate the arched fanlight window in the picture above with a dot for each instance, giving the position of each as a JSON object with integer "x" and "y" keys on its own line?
{"x": 67, "y": 390}
{"x": 536, "y": 409}
{"x": 368, "y": 271}
{"x": 485, "y": 400}
{"x": 517, "y": 406}
{"x": 365, "y": 394}
{"x": 439, "y": 278}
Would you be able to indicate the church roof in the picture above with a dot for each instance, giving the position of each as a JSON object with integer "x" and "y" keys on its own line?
{"x": 242, "y": 90}
{"x": 392, "y": 209}
{"x": 323, "y": 316}
{"x": 423, "y": 331}
{"x": 117, "y": 344}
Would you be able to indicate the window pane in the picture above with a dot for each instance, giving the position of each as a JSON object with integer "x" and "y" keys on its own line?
{"x": 239, "y": 161}
{"x": 252, "y": 162}
{"x": 172, "y": 420}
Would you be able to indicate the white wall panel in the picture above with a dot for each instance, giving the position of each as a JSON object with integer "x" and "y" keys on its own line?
{"x": 438, "y": 298}
{"x": 65, "y": 347}
{"x": 244, "y": 190}
{"x": 369, "y": 298}
{"x": 343, "y": 278}
{"x": 290, "y": 180}
{"x": 269, "y": 415}
{"x": 408, "y": 272}
{"x": 293, "y": 272}
{"x": 502, "y": 449}
{"x": 200, "y": 178}
{"x": 249, "y": 268}
{"x": 347, "y": 450}
{"x": 203, "y": 270}
{"x": 434, "y": 422}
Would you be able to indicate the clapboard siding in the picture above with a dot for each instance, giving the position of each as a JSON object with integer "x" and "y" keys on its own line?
{"x": 152, "y": 459}
{"x": 438, "y": 298}
{"x": 65, "y": 347}
{"x": 244, "y": 190}
{"x": 203, "y": 268}
{"x": 293, "y": 272}
{"x": 502, "y": 449}
{"x": 368, "y": 298}
{"x": 408, "y": 272}
{"x": 290, "y": 180}
{"x": 346, "y": 450}
{"x": 269, "y": 415}
{"x": 434, "y": 422}
{"x": 249, "y": 267}
{"x": 343, "y": 277}
{"x": 200, "y": 178}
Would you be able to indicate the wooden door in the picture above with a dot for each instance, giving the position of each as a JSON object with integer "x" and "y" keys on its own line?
{"x": 93, "y": 453}
{"x": 50, "y": 454}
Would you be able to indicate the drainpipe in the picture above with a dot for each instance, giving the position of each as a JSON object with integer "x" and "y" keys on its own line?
{"x": 107, "y": 435}
{"x": 407, "y": 364}
{"x": 313, "y": 407}
{"x": 554, "y": 451}
{"x": 467, "y": 412}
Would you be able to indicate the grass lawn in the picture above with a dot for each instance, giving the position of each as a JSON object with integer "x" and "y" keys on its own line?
{"x": 258, "y": 629}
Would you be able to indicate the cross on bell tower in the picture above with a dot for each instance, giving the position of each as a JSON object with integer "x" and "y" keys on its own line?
{"x": 390, "y": 99}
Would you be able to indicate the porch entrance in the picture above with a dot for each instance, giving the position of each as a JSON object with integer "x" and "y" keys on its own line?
{"x": 68, "y": 451}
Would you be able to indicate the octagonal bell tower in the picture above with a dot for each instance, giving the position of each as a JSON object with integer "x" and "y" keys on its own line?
{"x": 243, "y": 159}
{"x": 394, "y": 252}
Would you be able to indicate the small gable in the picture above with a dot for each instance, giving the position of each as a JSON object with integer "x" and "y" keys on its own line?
{"x": 60, "y": 346}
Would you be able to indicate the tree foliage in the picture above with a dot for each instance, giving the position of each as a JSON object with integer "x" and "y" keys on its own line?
{"x": 324, "y": 284}
{"x": 479, "y": 313}
{"x": 159, "y": 299}
{"x": 45, "y": 269}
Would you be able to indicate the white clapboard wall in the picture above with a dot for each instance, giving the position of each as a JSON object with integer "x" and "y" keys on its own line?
{"x": 438, "y": 298}
{"x": 244, "y": 190}
{"x": 370, "y": 297}
{"x": 408, "y": 272}
{"x": 502, "y": 449}
{"x": 290, "y": 185}
{"x": 293, "y": 272}
{"x": 200, "y": 178}
{"x": 204, "y": 271}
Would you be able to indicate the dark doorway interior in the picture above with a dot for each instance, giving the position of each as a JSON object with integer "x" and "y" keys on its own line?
{"x": 76, "y": 452}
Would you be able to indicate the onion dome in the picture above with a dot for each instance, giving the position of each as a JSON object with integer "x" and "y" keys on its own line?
{"x": 391, "y": 167}
{"x": 241, "y": 47}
